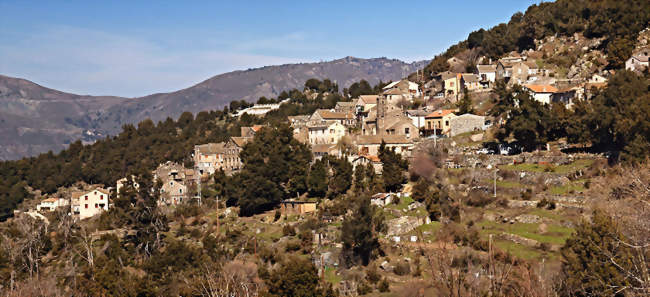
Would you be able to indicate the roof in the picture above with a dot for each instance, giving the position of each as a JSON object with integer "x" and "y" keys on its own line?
{"x": 371, "y": 158}
{"x": 417, "y": 112}
{"x": 76, "y": 195}
{"x": 448, "y": 75}
{"x": 467, "y": 115}
{"x": 241, "y": 141}
{"x": 394, "y": 91}
{"x": 322, "y": 148}
{"x": 346, "y": 103}
{"x": 256, "y": 127}
{"x": 470, "y": 77}
{"x": 439, "y": 113}
{"x": 211, "y": 148}
{"x": 376, "y": 139}
{"x": 541, "y": 88}
{"x": 51, "y": 200}
{"x": 507, "y": 63}
{"x": 299, "y": 118}
{"x": 486, "y": 68}
{"x": 331, "y": 115}
{"x": 531, "y": 64}
{"x": 367, "y": 99}
{"x": 391, "y": 85}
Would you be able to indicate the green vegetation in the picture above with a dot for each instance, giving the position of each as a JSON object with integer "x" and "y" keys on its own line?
{"x": 619, "y": 22}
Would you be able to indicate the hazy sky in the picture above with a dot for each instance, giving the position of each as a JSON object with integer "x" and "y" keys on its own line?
{"x": 135, "y": 48}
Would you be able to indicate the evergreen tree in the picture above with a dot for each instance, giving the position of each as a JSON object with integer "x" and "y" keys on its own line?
{"x": 296, "y": 277}
{"x": 341, "y": 180}
{"x": 360, "y": 184}
{"x": 318, "y": 179}
{"x": 393, "y": 168}
{"x": 594, "y": 259}
{"x": 465, "y": 103}
{"x": 360, "y": 232}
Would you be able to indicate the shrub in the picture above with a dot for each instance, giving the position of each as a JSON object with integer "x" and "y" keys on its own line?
{"x": 527, "y": 194}
{"x": 478, "y": 198}
{"x": 288, "y": 230}
{"x": 292, "y": 246}
{"x": 383, "y": 286}
{"x": 363, "y": 288}
{"x": 372, "y": 275}
{"x": 402, "y": 268}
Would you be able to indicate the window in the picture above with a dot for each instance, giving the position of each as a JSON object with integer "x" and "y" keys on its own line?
{"x": 101, "y": 197}
{"x": 95, "y": 192}
{"x": 86, "y": 205}
{"x": 446, "y": 123}
{"x": 406, "y": 130}
{"x": 96, "y": 206}
{"x": 86, "y": 197}
{"x": 180, "y": 191}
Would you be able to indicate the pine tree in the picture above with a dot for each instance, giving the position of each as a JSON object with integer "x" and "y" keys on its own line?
{"x": 594, "y": 259}
{"x": 360, "y": 231}
{"x": 317, "y": 180}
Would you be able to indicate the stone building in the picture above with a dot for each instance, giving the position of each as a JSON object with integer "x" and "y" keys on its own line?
{"x": 465, "y": 123}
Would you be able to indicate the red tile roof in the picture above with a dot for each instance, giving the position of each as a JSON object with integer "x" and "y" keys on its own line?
{"x": 439, "y": 113}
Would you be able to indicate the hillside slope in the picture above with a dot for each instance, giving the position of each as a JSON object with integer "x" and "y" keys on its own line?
{"x": 36, "y": 119}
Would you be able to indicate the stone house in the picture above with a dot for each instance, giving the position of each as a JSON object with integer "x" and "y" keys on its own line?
{"x": 346, "y": 106}
{"x": 173, "y": 192}
{"x": 408, "y": 88}
{"x": 382, "y": 199}
{"x": 417, "y": 117}
{"x": 465, "y": 123}
{"x": 364, "y": 160}
{"x": 345, "y": 118}
{"x": 470, "y": 81}
{"x": 369, "y": 144}
{"x": 294, "y": 207}
{"x": 325, "y": 132}
{"x": 211, "y": 157}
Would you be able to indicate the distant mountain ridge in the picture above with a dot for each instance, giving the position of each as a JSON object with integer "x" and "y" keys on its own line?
{"x": 35, "y": 119}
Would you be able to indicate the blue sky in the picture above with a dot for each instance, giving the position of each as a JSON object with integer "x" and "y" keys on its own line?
{"x": 135, "y": 48}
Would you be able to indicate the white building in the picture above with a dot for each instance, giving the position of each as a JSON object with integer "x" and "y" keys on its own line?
{"x": 542, "y": 93}
{"x": 90, "y": 203}
{"x": 51, "y": 204}
{"x": 638, "y": 61}
{"x": 325, "y": 132}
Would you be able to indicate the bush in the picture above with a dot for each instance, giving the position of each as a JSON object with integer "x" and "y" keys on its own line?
{"x": 372, "y": 275}
{"x": 292, "y": 246}
{"x": 288, "y": 230}
{"x": 478, "y": 198}
{"x": 545, "y": 203}
{"x": 383, "y": 286}
{"x": 363, "y": 288}
{"x": 527, "y": 195}
{"x": 402, "y": 268}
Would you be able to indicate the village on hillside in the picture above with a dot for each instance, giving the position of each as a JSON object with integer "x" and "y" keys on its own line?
{"x": 450, "y": 193}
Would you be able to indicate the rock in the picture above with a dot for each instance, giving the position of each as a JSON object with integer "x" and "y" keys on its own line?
{"x": 476, "y": 137}
{"x": 415, "y": 205}
{"x": 543, "y": 228}
{"x": 527, "y": 219}
{"x": 386, "y": 266}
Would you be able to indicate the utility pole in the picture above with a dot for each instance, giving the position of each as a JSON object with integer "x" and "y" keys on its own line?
{"x": 495, "y": 183}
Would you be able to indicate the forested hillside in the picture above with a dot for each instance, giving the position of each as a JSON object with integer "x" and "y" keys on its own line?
{"x": 142, "y": 147}
{"x": 618, "y": 22}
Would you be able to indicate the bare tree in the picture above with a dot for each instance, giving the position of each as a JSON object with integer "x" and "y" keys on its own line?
{"x": 236, "y": 279}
